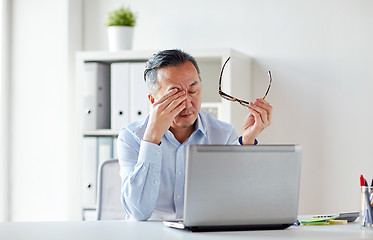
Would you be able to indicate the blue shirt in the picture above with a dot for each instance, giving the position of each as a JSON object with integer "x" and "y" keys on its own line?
{"x": 153, "y": 175}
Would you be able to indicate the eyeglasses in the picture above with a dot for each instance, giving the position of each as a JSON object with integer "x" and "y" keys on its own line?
{"x": 233, "y": 99}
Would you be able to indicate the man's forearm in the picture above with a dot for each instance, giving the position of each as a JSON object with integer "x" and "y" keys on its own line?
{"x": 141, "y": 182}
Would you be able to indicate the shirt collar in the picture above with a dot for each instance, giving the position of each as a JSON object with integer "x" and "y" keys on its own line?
{"x": 199, "y": 125}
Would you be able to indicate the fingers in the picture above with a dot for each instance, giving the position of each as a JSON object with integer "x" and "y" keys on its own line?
{"x": 258, "y": 120}
{"x": 260, "y": 116}
{"x": 264, "y": 104}
{"x": 170, "y": 100}
{"x": 162, "y": 112}
{"x": 262, "y": 111}
{"x": 175, "y": 111}
{"x": 166, "y": 95}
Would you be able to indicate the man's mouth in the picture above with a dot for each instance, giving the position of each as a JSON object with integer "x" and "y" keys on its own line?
{"x": 185, "y": 115}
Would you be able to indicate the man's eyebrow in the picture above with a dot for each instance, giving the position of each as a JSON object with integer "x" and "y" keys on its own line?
{"x": 194, "y": 83}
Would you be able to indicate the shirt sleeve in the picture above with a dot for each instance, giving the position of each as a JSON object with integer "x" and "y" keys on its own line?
{"x": 140, "y": 169}
{"x": 232, "y": 137}
{"x": 240, "y": 141}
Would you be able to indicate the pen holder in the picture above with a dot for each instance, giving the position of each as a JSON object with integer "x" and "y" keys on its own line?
{"x": 366, "y": 209}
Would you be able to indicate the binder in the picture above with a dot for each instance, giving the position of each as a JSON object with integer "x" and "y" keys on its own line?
{"x": 120, "y": 91}
{"x": 95, "y": 151}
{"x": 96, "y": 96}
{"x": 139, "y": 94}
{"x": 115, "y": 148}
{"x": 89, "y": 174}
{"x": 105, "y": 150}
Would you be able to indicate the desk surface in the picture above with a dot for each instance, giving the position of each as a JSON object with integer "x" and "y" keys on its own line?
{"x": 127, "y": 230}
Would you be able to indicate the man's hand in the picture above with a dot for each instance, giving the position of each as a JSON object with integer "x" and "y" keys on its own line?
{"x": 259, "y": 118}
{"x": 162, "y": 113}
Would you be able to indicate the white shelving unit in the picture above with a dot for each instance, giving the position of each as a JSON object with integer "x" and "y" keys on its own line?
{"x": 236, "y": 82}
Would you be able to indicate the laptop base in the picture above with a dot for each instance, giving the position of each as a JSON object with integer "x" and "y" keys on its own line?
{"x": 238, "y": 228}
{"x": 180, "y": 225}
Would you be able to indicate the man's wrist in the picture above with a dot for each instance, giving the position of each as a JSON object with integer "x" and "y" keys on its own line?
{"x": 152, "y": 141}
{"x": 151, "y": 137}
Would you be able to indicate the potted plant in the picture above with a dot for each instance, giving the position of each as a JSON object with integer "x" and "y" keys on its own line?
{"x": 121, "y": 23}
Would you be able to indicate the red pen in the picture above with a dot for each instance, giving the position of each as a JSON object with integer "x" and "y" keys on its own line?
{"x": 368, "y": 218}
{"x": 363, "y": 182}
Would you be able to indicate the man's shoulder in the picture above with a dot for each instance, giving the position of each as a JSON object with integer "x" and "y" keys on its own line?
{"x": 135, "y": 128}
{"x": 210, "y": 121}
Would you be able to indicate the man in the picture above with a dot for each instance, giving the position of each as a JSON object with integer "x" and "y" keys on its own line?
{"x": 151, "y": 152}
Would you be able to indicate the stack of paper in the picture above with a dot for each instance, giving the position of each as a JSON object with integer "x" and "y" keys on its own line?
{"x": 322, "y": 221}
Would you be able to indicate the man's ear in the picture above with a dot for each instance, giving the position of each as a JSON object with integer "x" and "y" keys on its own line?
{"x": 151, "y": 98}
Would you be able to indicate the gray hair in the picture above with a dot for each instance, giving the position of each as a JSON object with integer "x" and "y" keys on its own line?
{"x": 174, "y": 57}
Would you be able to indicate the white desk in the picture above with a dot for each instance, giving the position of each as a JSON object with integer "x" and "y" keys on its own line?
{"x": 123, "y": 230}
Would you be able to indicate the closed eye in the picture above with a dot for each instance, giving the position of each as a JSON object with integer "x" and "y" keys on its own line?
{"x": 192, "y": 92}
{"x": 178, "y": 89}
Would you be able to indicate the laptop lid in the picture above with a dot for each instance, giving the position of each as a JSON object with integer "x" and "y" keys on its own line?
{"x": 252, "y": 186}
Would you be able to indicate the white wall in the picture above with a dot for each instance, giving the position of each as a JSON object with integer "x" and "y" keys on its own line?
{"x": 319, "y": 52}
{"x": 39, "y": 110}
{"x": 4, "y": 111}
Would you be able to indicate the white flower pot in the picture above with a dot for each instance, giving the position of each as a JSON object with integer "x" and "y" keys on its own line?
{"x": 120, "y": 37}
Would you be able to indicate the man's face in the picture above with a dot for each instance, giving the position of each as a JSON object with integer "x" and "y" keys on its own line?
{"x": 182, "y": 77}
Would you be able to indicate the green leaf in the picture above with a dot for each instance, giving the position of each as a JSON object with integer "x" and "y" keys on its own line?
{"x": 121, "y": 17}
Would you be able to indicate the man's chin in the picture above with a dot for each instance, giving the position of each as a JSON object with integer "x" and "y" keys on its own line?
{"x": 184, "y": 125}
{"x": 185, "y": 122}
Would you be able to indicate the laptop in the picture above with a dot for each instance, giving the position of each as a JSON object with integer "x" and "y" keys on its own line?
{"x": 234, "y": 187}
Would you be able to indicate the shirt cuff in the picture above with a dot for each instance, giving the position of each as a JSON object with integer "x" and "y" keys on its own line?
{"x": 240, "y": 141}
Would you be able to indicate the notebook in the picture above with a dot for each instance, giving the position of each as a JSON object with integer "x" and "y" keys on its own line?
{"x": 238, "y": 187}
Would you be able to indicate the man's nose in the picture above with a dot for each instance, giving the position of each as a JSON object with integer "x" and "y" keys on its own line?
{"x": 188, "y": 101}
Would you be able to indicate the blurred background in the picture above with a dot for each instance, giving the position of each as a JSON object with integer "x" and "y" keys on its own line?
{"x": 320, "y": 53}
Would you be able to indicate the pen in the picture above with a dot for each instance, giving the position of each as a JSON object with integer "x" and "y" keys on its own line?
{"x": 371, "y": 195}
{"x": 363, "y": 183}
{"x": 365, "y": 219}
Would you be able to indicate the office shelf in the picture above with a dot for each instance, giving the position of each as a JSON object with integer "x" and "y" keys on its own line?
{"x": 101, "y": 133}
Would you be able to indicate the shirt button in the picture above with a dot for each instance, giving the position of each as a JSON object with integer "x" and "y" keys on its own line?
{"x": 178, "y": 196}
{"x": 157, "y": 153}
{"x": 180, "y": 172}
{"x": 156, "y": 181}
